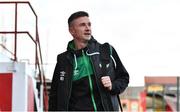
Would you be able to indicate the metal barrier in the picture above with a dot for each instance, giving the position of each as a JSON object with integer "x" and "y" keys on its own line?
{"x": 38, "y": 64}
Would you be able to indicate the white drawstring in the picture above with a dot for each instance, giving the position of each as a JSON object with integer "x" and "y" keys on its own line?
{"x": 92, "y": 53}
{"x": 113, "y": 60}
{"x": 99, "y": 53}
{"x": 75, "y": 59}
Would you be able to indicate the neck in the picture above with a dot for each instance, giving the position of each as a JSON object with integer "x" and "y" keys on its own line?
{"x": 80, "y": 45}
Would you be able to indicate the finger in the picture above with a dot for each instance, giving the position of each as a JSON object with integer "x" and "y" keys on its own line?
{"x": 105, "y": 78}
{"x": 108, "y": 86}
{"x": 106, "y": 83}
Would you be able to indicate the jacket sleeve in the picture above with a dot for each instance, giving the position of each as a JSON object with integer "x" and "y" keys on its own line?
{"x": 53, "y": 90}
{"x": 121, "y": 75}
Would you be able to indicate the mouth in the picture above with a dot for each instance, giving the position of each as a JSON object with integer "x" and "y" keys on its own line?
{"x": 87, "y": 34}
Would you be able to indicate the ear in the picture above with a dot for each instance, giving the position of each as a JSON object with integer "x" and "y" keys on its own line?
{"x": 71, "y": 30}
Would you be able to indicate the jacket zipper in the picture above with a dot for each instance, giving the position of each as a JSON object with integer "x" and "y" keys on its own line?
{"x": 90, "y": 84}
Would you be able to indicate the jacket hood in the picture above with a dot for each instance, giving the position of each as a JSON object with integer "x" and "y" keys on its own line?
{"x": 71, "y": 45}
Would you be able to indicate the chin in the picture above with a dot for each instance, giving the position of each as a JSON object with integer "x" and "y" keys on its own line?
{"x": 88, "y": 37}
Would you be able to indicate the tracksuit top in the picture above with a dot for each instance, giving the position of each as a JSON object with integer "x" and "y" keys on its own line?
{"x": 85, "y": 94}
{"x": 76, "y": 83}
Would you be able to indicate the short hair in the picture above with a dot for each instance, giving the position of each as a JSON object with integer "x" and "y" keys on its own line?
{"x": 77, "y": 15}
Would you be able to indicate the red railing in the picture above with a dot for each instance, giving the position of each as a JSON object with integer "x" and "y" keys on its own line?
{"x": 35, "y": 40}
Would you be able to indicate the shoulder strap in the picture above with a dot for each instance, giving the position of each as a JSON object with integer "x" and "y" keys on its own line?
{"x": 104, "y": 57}
{"x": 105, "y": 52}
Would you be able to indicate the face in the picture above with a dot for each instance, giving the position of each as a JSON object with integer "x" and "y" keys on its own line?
{"x": 80, "y": 29}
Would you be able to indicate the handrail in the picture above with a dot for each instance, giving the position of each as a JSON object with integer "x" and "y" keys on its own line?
{"x": 19, "y": 32}
{"x": 38, "y": 54}
{"x": 4, "y": 47}
{"x": 19, "y": 2}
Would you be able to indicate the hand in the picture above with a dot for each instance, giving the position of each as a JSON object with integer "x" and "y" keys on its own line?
{"x": 106, "y": 81}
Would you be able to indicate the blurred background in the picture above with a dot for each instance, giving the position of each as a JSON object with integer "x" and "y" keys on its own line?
{"x": 146, "y": 35}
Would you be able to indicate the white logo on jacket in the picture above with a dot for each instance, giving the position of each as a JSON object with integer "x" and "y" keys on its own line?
{"x": 62, "y": 74}
{"x": 76, "y": 72}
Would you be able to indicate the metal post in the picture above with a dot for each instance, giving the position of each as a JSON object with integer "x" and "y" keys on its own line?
{"x": 41, "y": 97}
{"x": 15, "y": 34}
{"x": 153, "y": 101}
{"x": 163, "y": 99}
{"x": 177, "y": 94}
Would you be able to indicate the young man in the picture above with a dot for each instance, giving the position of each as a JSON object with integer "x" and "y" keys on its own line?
{"x": 79, "y": 82}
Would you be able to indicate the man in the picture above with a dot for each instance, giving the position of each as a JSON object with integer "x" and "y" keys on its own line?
{"x": 78, "y": 82}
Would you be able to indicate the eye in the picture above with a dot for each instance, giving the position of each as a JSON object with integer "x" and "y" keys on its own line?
{"x": 85, "y": 24}
{"x": 82, "y": 24}
{"x": 89, "y": 24}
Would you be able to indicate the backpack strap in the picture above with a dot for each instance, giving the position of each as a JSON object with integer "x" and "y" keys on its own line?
{"x": 105, "y": 57}
{"x": 105, "y": 52}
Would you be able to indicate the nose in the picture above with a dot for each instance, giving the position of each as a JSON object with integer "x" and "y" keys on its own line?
{"x": 88, "y": 27}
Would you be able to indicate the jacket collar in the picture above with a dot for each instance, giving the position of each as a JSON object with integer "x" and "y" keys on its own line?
{"x": 71, "y": 45}
{"x": 91, "y": 48}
